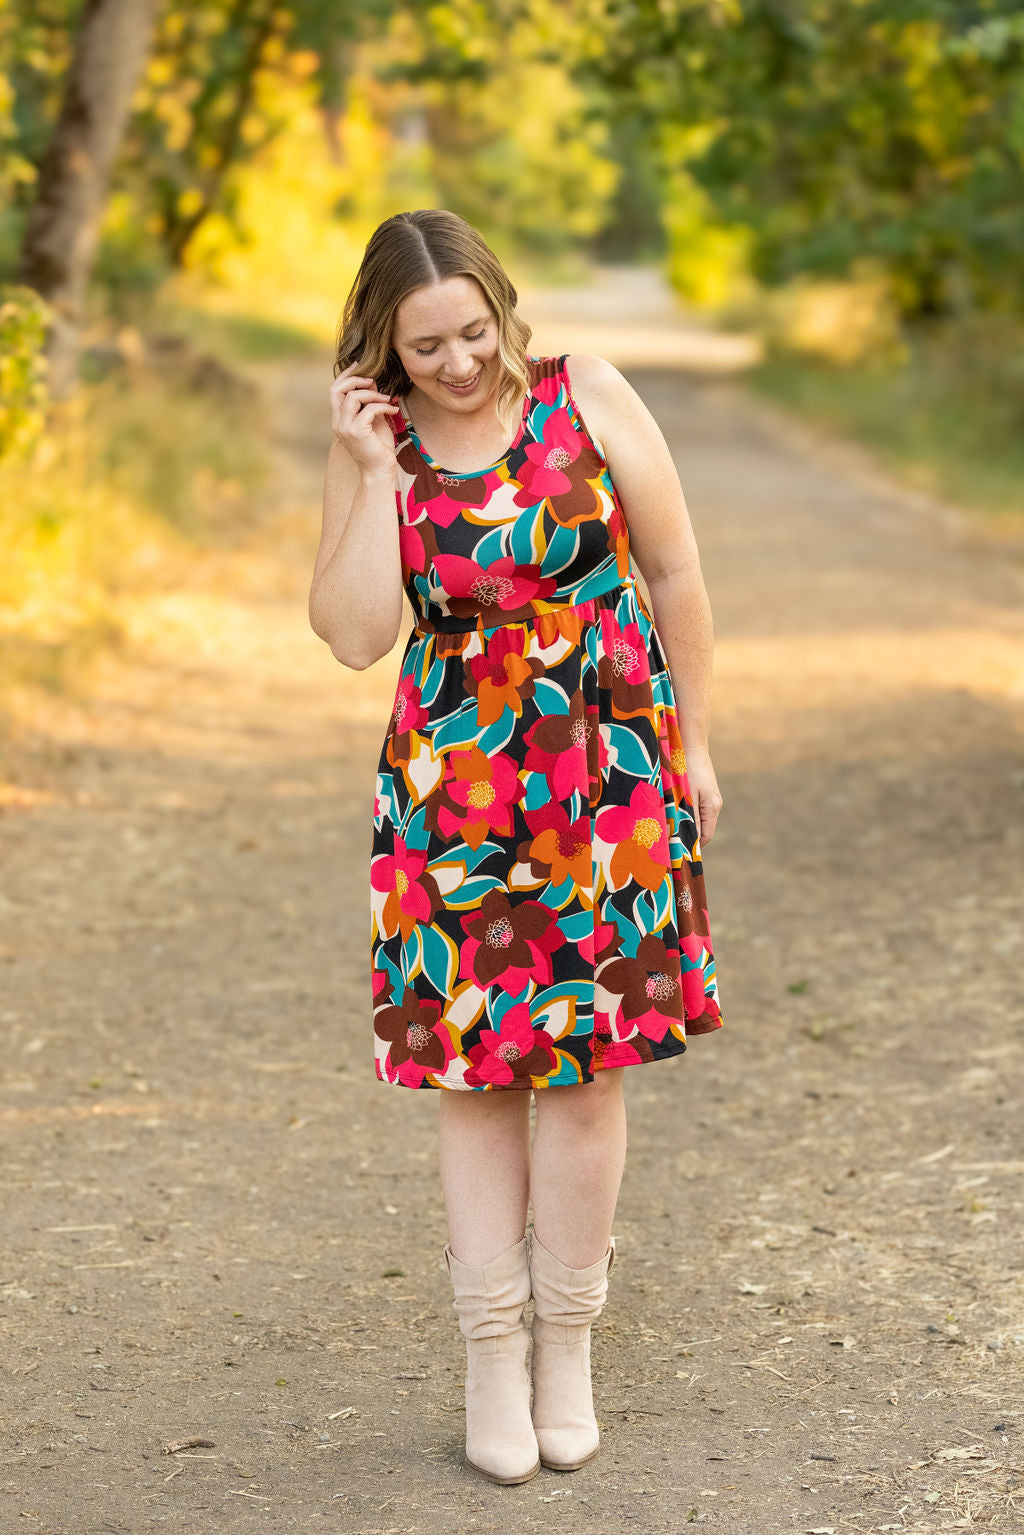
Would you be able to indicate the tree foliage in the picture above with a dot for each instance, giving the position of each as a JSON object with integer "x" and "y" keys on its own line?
{"x": 840, "y": 132}
{"x": 782, "y": 137}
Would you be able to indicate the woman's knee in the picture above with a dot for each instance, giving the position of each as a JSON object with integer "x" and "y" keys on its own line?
{"x": 584, "y": 1104}
{"x": 481, "y": 1109}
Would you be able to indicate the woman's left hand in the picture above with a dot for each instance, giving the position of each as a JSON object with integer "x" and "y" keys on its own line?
{"x": 704, "y": 791}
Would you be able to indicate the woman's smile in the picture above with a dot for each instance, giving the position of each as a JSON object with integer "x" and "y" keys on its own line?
{"x": 466, "y": 387}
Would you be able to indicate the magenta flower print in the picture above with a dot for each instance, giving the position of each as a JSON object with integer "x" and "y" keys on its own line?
{"x": 418, "y": 1039}
{"x": 548, "y": 389}
{"x": 623, "y": 645}
{"x": 456, "y": 495}
{"x": 702, "y": 1011}
{"x": 407, "y": 715}
{"x": 417, "y": 547}
{"x": 548, "y": 459}
{"x": 707, "y": 1021}
{"x": 602, "y": 943}
{"x": 597, "y": 754}
{"x": 624, "y": 668}
{"x": 608, "y": 1052}
{"x": 564, "y": 748}
{"x": 497, "y": 593}
{"x": 434, "y": 495}
{"x": 509, "y": 944}
{"x": 557, "y": 469}
{"x": 412, "y": 893}
{"x": 512, "y": 1055}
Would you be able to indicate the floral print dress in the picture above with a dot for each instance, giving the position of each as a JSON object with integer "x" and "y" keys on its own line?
{"x": 537, "y": 892}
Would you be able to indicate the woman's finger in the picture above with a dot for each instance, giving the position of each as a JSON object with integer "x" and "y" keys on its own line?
{"x": 711, "y": 804}
{"x": 369, "y": 414}
{"x": 361, "y": 396}
{"x": 365, "y": 400}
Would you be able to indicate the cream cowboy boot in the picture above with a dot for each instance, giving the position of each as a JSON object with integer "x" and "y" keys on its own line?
{"x": 489, "y": 1301}
{"x": 566, "y": 1302}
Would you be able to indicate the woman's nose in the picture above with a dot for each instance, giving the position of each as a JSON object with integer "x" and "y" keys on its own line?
{"x": 460, "y": 364}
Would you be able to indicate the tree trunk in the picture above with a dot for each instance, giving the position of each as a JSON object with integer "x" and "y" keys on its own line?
{"x": 74, "y": 176}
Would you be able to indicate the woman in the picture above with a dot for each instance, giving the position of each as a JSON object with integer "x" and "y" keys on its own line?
{"x": 539, "y": 915}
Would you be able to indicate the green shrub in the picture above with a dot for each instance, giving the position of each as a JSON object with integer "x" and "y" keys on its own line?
{"x": 24, "y": 318}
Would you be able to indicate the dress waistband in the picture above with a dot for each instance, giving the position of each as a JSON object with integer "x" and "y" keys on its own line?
{"x": 587, "y": 610}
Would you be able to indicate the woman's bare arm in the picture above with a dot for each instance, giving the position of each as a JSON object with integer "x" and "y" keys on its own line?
{"x": 355, "y": 598}
{"x": 665, "y": 549}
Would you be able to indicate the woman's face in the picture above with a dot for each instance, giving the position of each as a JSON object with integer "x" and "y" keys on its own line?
{"x": 445, "y": 335}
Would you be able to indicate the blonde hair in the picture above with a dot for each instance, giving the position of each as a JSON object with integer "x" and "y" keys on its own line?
{"x": 414, "y": 250}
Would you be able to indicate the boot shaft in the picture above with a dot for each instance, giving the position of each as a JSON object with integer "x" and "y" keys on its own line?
{"x": 490, "y": 1299}
{"x": 566, "y": 1300}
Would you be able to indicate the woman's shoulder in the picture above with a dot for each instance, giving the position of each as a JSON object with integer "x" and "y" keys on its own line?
{"x": 596, "y": 388}
{"x": 589, "y": 368}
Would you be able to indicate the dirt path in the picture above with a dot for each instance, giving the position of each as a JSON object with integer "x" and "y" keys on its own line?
{"x": 220, "y": 1226}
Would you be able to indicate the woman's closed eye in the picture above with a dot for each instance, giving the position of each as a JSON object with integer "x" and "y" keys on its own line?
{"x": 426, "y": 351}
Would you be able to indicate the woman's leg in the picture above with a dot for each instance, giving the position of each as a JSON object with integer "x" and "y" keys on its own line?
{"x": 484, "y": 1154}
{"x": 579, "y": 1151}
{"x": 484, "y": 1144}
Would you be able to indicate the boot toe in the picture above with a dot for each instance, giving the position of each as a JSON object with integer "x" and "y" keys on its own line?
{"x": 565, "y": 1449}
{"x": 504, "y": 1464}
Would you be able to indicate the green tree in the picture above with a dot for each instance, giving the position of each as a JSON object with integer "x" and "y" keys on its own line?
{"x": 842, "y": 131}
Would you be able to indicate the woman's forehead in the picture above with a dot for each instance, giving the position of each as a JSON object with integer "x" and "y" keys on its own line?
{"x": 438, "y": 308}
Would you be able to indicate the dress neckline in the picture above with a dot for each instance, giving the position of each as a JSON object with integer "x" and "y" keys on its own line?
{"x": 468, "y": 474}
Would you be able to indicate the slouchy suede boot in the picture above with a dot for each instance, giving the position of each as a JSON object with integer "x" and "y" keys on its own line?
{"x": 489, "y": 1301}
{"x": 566, "y": 1302}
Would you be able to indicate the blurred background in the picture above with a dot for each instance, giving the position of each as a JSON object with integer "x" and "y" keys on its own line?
{"x": 799, "y": 230}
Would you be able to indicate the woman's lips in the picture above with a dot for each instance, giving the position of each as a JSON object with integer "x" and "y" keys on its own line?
{"x": 462, "y": 388}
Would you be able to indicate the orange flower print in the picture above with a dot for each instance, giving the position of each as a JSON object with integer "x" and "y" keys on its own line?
{"x": 503, "y": 676}
{"x": 561, "y": 623}
{"x": 537, "y": 904}
{"x": 640, "y": 834}
{"x": 560, "y": 848}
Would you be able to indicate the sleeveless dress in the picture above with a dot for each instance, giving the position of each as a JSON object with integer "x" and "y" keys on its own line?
{"x": 537, "y": 891}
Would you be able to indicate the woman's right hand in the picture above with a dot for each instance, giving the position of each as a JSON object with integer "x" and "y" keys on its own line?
{"x": 358, "y": 412}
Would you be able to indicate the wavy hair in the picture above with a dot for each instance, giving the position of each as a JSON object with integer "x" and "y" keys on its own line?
{"x": 413, "y": 250}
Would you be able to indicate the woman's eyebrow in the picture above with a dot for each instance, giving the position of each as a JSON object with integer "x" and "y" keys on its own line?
{"x": 415, "y": 340}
